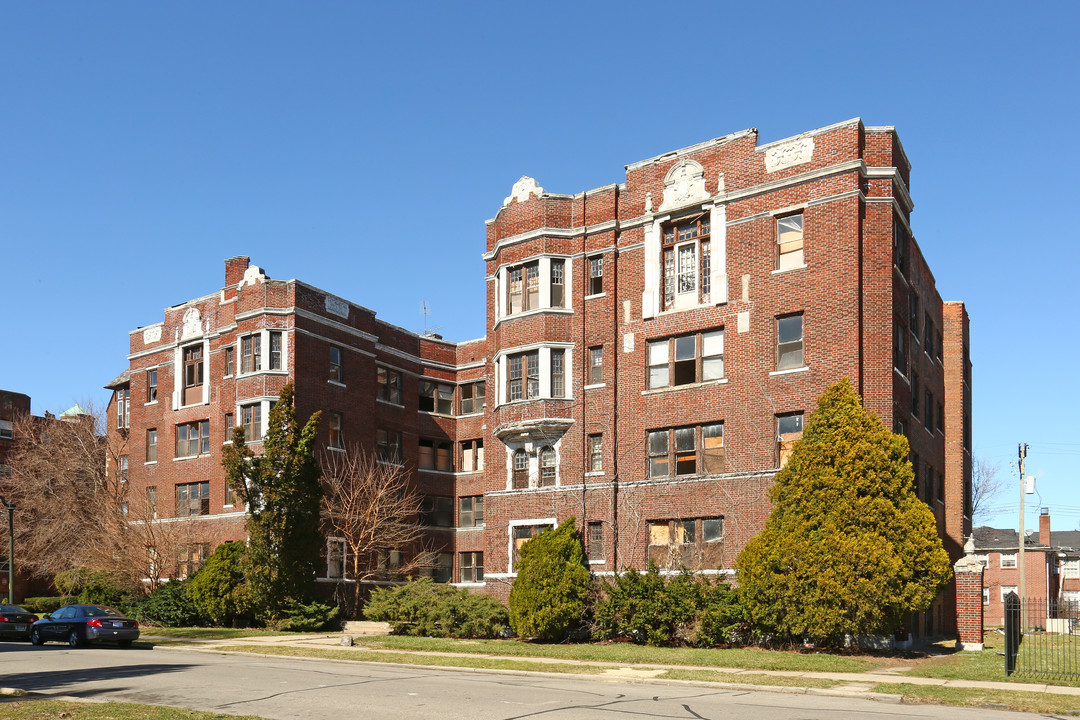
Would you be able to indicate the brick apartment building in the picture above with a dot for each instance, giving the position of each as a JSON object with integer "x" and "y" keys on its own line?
{"x": 1051, "y": 567}
{"x": 652, "y": 350}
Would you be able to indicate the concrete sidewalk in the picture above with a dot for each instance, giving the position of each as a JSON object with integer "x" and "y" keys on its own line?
{"x": 854, "y": 683}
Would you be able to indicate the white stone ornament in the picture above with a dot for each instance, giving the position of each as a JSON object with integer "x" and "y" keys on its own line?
{"x": 787, "y": 154}
{"x": 522, "y": 189}
{"x": 151, "y": 335}
{"x": 684, "y": 184}
{"x": 337, "y": 306}
{"x": 254, "y": 274}
{"x": 192, "y": 323}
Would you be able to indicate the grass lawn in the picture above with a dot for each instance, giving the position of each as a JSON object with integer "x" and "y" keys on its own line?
{"x": 995, "y": 699}
{"x": 748, "y": 658}
{"x": 66, "y": 710}
{"x": 210, "y": 633}
{"x": 986, "y": 664}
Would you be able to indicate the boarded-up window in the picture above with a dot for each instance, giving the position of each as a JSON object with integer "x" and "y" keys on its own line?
{"x": 692, "y": 543}
{"x": 789, "y": 239}
{"x": 789, "y": 429}
{"x": 521, "y": 470}
{"x": 712, "y": 440}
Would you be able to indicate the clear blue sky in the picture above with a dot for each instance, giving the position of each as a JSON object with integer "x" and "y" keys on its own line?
{"x": 360, "y": 147}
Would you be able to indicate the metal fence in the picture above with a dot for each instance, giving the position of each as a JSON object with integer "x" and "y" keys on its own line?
{"x": 1042, "y": 638}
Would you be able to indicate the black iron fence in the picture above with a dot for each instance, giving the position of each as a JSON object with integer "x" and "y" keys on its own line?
{"x": 1042, "y": 638}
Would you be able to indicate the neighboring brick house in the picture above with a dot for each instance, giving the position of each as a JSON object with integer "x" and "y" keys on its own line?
{"x": 652, "y": 350}
{"x": 1051, "y": 566}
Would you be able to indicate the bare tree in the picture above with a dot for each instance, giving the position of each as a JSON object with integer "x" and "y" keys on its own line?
{"x": 373, "y": 507}
{"x": 986, "y": 488}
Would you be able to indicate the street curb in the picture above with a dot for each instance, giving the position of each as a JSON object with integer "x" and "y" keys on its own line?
{"x": 780, "y": 689}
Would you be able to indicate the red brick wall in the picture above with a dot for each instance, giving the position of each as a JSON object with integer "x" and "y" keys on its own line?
{"x": 969, "y": 605}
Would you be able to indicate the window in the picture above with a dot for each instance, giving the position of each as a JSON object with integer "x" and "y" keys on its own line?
{"x": 689, "y": 450}
{"x": 229, "y": 427}
{"x": 928, "y": 410}
{"x": 789, "y": 342}
{"x": 928, "y": 335}
{"x": 685, "y": 259}
{"x": 900, "y": 358}
{"x": 337, "y": 440}
{"x": 151, "y": 386}
{"x": 900, "y": 243}
{"x": 596, "y": 541}
{"x": 471, "y": 511}
{"x": 472, "y": 567}
{"x": 1008, "y": 560}
{"x": 941, "y": 417}
{"x": 557, "y": 284}
{"x": 1070, "y": 601}
{"x": 151, "y": 501}
{"x": 913, "y": 314}
{"x": 596, "y": 275}
{"x": 1070, "y": 568}
{"x": 547, "y": 466}
{"x": 390, "y": 563}
{"x": 436, "y": 455}
{"x": 523, "y": 376}
{"x": 437, "y": 511}
{"x": 388, "y": 446}
{"x": 190, "y": 558}
{"x": 151, "y": 445}
{"x": 472, "y": 456}
{"x": 336, "y": 370}
{"x": 193, "y": 375}
{"x": 250, "y": 353}
{"x": 389, "y": 382}
{"x": 596, "y": 365}
{"x": 7, "y": 431}
{"x": 335, "y": 557}
{"x": 695, "y": 543}
{"x": 193, "y": 499}
{"x": 789, "y": 428}
{"x": 122, "y": 468}
{"x": 686, "y": 359}
{"x": 915, "y": 394}
{"x": 789, "y": 242}
{"x": 436, "y": 397}
{"x": 937, "y": 347}
{"x": 521, "y": 470}
{"x": 193, "y": 439}
{"x": 521, "y": 534}
{"x": 440, "y": 568}
{"x": 596, "y": 453}
{"x": 1006, "y": 589}
{"x": 230, "y": 495}
{"x": 275, "y": 349}
{"x": 230, "y": 360}
{"x": 123, "y": 408}
{"x": 558, "y": 375}
{"x": 251, "y": 416}
{"x": 472, "y": 397}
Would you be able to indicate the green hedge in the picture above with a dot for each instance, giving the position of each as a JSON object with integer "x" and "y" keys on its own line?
{"x": 428, "y": 609}
{"x": 46, "y": 604}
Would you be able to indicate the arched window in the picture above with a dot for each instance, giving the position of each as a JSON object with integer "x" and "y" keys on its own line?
{"x": 547, "y": 466}
{"x": 521, "y": 470}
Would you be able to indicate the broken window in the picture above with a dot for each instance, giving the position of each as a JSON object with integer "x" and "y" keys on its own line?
{"x": 472, "y": 397}
{"x": 692, "y": 543}
{"x": 336, "y": 369}
{"x": 789, "y": 242}
{"x": 337, "y": 438}
{"x": 193, "y": 375}
{"x": 388, "y": 446}
{"x": 472, "y": 456}
{"x": 789, "y": 342}
{"x": 789, "y": 429}
{"x": 437, "y": 511}
{"x": 521, "y": 534}
{"x": 471, "y": 511}
{"x": 686, "y": 359}
{"x": 436, "y": 455}
{"x": 151, "y": 386}
{"x": 192, "y": 499}
{"x": 335, "y": 557}
{"x": 596, "y": 275}
{"x": 389, "y": 382}
{"x": 689, "y": 450}
{"x": 436, "y": 397}
{"x": 686, "y": 259}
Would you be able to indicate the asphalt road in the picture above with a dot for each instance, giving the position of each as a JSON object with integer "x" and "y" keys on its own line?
{"x": 283, "y": 688}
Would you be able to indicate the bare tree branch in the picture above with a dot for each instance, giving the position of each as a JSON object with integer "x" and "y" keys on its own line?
{"x": 986, "y": 488}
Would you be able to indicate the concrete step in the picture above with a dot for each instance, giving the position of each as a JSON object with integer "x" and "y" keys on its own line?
{"x": 365, "y": 627}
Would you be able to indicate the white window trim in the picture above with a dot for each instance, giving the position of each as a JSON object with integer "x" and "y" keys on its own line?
{"x": 789, "y": 371}
{"x": 718, "y": 280}
{"x": 330, "y": 541}
{"x": 178, "y": 375}
{"x": 264, "y": 352}
{"x": 1001, "y": 561}
{"x": 502, "y": 284}
{"x": 549, "y": 521}
{"x": 264, "y": 416}
{"x": 501, "y": 371}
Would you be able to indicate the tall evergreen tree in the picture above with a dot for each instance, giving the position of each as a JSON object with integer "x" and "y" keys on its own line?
{"x": 283, "y": 494}
{"x": 548, "y": 598}
{"x": 848, "y": 548}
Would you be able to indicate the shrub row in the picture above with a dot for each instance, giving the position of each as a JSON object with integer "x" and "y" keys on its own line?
{"x": 434, "y": 610}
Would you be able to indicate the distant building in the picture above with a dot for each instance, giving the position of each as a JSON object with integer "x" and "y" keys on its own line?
{"x": 1051, "y": 567}
{"x": 652, "y": 351}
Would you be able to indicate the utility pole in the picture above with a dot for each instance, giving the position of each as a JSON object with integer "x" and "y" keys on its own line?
{"x": 1023, "y": 448}
{"x": 11, "y": 550}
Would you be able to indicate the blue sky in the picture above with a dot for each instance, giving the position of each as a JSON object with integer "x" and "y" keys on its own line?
{"x": 360, "y": 147}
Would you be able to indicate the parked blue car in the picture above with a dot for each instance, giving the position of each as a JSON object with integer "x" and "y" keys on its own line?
{"x": 78, "y": 625}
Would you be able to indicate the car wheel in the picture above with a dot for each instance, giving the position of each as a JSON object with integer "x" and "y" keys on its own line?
{"x": 124, "y": 643}
{"x": 35, "y": 638}
{"x": 74, "y": 640}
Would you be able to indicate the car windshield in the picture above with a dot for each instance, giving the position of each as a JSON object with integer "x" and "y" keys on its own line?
{"x": 94, "y": 611}
{"x": 11, "y": 609}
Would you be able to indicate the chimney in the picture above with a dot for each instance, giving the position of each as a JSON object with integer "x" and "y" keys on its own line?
{"x": 1044, "y": 527}
{"x": 234, "y": 270}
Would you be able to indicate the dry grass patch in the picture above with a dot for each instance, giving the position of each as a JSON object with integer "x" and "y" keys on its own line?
{"x": 68, "y": 710}
{"x": 992, "y": 699}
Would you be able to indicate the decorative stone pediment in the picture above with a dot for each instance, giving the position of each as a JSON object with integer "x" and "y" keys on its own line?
{"x": 795, "y": 152}
{"x": 254, "y": 274}
{"x": 534, "y": 430}
{"x": 151, "y": 335}
{"x": 684, "y": 184}
{"x": 523, "y": 189}
{"x": 192, "y": 323}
